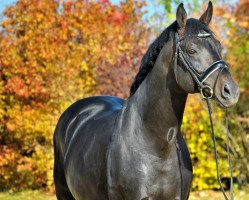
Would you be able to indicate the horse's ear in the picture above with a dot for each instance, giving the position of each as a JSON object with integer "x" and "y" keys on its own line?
{"x": 181, "y": 18}
{"x": 207, "y": 15}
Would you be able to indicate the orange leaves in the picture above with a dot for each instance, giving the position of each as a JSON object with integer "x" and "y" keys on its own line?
{"x": 17, "y": 86}
{"x": 53, "y": 52}
{"x": 239, "y": 14}
{"x": 25, "y": 164}
{"x": 242, "y": 14}
{"x": 219, "y": 11}
{"x": 117, "y": 17}
{"x": 7, "y": 154}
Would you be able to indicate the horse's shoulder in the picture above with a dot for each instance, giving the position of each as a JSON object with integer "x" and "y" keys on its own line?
{"x": 98, "y": 111}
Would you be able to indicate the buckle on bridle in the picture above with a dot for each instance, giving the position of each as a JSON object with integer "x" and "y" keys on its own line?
{"x": 206, "y": 92}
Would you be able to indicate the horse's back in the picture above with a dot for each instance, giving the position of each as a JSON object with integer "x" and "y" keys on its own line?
{"x": 82, "y": 138}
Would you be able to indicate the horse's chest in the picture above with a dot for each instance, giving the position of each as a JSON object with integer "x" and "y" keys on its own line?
{"x": 142, "y": 175}
{"x": 164, "y": 179}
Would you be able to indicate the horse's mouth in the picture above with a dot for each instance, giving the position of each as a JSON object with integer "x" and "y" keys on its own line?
{"x": 224, "y": 104}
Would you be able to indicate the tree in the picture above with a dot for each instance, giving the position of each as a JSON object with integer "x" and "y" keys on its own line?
{"x": 53, "y": 52}
{"x": 236, "y": 23}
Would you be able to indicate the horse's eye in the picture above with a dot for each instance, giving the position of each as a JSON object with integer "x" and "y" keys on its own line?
{"x": 192, "y": 51}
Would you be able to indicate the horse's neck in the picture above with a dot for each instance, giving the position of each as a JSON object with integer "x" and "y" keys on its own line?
{"x": 156, "y": 109}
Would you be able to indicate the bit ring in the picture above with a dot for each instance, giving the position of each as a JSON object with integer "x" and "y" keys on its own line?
{"x": 204, "y": 94}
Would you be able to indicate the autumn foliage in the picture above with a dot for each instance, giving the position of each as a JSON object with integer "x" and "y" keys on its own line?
{"x": 53, "y": 52}
{"x": 236, "y": 25}
{"x": 197, "y": 131}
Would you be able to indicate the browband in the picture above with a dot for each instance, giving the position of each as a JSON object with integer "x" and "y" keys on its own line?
{"x": 203, "y": 35}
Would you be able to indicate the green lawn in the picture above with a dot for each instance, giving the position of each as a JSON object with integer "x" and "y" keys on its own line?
{"x": 38, "y": 195}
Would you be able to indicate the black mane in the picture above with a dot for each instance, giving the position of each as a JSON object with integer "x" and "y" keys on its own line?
{"x": 193, "y": 26}
{"x": 150, "y": 57}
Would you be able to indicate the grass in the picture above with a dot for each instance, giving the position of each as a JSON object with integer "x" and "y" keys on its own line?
{"x": 27, "y": 195}
{"x": 39, "y": 195}
{"x": 214, "y": 195}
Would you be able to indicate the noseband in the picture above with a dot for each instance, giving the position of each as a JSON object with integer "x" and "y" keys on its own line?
{"x": 207, "y": 93}
{"x": 205, "y": 90}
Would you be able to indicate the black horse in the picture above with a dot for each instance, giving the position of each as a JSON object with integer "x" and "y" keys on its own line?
{"x": 110, "y": 148}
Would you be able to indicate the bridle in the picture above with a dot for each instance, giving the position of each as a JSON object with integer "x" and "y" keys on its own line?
{"x": 207, "y": 93}
{"x": 204, "y": 88}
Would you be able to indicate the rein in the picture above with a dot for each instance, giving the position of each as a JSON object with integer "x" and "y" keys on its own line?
{"x": 216, "y": 153}
{"x": 207, "y": 93}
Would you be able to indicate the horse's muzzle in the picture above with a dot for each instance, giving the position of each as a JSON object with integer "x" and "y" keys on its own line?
{"x": 227, "y": 91}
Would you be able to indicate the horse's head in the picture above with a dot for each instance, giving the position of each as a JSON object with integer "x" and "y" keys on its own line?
{"x": 198, "y": 62}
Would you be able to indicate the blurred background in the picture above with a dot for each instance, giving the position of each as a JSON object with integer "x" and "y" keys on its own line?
{"x": 53, "y": 52}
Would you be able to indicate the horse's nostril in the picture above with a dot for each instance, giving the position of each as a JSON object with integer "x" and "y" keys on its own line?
{"x": 226, "y": 91}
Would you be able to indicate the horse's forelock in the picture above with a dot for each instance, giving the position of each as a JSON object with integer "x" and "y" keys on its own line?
{"x": 195, "y": 26}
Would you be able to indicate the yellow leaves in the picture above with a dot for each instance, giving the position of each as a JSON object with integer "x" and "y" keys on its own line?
{"x": 39, "y": 17}
{"x": 89, "y": 75}
{"x": 184, "y": 121}
{"x": 7, "y": 154}
{"x": 244, "y": 24}
{"x": 84, "y": 66}
{"x": 25, "y": 164}
{"x": 2, "y": 100}
{"x": 196, "y": 129}
{"x": 219, "y": 11}
{"x": 201, "y": 127}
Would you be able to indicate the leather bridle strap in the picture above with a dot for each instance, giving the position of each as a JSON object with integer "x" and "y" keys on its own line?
{"x": 205, "y": 89}
{"x": 216, "y": 154}
{"x": 229, "y": 159}
{"x": 212, "y": 68}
